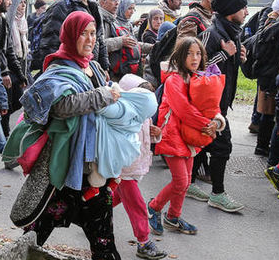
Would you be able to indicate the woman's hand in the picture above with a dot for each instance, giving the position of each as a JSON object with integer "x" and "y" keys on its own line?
{"x": 128, "y": 41}
{"x": 115, "y": 94}
{"x": 155, "y": 130}
{"x": 210, "y": 129}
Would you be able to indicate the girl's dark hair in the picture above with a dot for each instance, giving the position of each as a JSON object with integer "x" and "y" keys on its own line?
{"x": 180, "y": 53}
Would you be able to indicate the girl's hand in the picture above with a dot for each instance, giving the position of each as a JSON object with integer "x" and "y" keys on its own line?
{"x": 155, "y": 130}
{"x": 210, "y": 129}
{"x": 115, "y": 94}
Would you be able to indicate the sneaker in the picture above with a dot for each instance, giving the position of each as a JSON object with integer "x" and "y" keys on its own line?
{"x": 179, "y": 224}
{"x": 272, "y": 177}
{"x": 195, "y": 192}
{"x": 154, "y": 219}
{"x": 150, "y": 251}
{"x": 224, "y": 202}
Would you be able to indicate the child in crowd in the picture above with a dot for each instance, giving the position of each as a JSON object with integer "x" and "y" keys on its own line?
{"x": 188, "y": 56}
{"x": 117, "y": 128}
{"x": 128, "y": 191}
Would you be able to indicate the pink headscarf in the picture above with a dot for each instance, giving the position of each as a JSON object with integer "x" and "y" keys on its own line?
{"x": 71, "y": 29}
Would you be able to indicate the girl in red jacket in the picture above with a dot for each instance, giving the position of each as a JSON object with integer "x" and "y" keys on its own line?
{"x": 188, "y": 57}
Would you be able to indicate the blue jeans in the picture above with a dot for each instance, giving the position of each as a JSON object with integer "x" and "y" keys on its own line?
{"x": 2, "y": 138}
{"x": 273, "y": 158}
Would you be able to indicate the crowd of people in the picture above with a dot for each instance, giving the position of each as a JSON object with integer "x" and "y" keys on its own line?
{"x": 89, "y": 81}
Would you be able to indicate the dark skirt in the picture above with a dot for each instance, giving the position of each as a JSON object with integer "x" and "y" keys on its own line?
{"x": 94, "y": 217}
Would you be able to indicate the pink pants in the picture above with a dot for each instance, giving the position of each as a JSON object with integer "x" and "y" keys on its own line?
{"x": 129, "y": 194}
{"x": 175, "y": 191}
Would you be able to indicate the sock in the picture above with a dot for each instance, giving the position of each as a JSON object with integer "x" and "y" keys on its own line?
{"x": 142, "y": 244}
{"x": 113, "y": 184}
{"x": 90, "y": 193}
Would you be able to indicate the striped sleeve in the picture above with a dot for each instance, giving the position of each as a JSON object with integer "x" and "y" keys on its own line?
{"x": 213, "y": 56}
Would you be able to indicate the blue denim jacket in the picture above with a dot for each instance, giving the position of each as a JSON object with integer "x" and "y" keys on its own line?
{"x": 37, "y": 102}
{"x": 3, "y": 96}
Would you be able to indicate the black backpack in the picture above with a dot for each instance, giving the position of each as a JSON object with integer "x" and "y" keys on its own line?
{"x": 250, "y": 37}
{"x": 266, "y": 54}
{"x": 163, "y": 49}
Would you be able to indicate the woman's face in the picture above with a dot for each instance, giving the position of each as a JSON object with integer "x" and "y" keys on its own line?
{"x": 86, "y": 41}
{"x": 156, "y": 21}
{"x": 22, "y": 7}
{"x": 130, "y": 11}
{"x": 193, "y": 58}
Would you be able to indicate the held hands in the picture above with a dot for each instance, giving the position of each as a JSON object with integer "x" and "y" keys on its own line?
{"x": 210, "y": 129}
{"x": 229, "y": 47}
{"x": 243, "y": 54}
{"x": 128, "y": 41}
{"x": 155, "y": 130}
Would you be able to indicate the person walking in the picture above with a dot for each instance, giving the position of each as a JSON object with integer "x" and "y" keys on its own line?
{"x": 128, "y": 192}
{"x": 40, "y": 8}
{"x": 70, "y": 90}
{"x": 223, "y": 47}
{"x": 187, "y": 57}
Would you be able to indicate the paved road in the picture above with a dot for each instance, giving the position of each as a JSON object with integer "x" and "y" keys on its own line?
{"x": 251, "y": 234}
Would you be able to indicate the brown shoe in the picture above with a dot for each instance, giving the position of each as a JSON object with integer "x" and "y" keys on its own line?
{"x": 254, "y": 129}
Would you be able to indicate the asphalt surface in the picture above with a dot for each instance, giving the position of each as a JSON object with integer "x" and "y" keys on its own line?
{"x": 251, "y": 234}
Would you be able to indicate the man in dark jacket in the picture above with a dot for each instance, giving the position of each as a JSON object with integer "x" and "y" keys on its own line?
{"x": 223, "y": 47}
{"x": 55, "y": 16}
{"x": 40, "y": 7}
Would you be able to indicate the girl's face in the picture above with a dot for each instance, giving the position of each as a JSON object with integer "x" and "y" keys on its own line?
{"x": 130, "y": 11}
{"x": 156, "y": 21}
{"x": 22, "y": 7}
{"x": 86, "y": 41}
{"x": 193, "y": 58}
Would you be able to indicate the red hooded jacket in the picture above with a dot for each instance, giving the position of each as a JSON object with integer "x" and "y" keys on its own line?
{"x": 175, "y": 97}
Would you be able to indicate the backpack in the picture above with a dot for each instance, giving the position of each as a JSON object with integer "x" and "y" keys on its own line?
{"x": 266, "y": 54}
{"x": 163, "y": 49}
{"x": 159, "y": 94}
{"x": 126, "y": 60}
{"x": 249, "y": 37}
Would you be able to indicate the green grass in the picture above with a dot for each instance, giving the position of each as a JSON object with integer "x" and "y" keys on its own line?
{"x": 246, "y": 89}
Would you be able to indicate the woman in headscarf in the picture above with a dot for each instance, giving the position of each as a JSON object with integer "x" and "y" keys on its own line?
{"x": 19, "y": 46}
{"x": 125, "y": 11}
{"x": 59, "y": 127}
{"x": 155, "y": 19}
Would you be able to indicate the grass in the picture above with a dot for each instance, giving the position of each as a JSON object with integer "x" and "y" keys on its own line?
{"x": 246, "y": 89}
